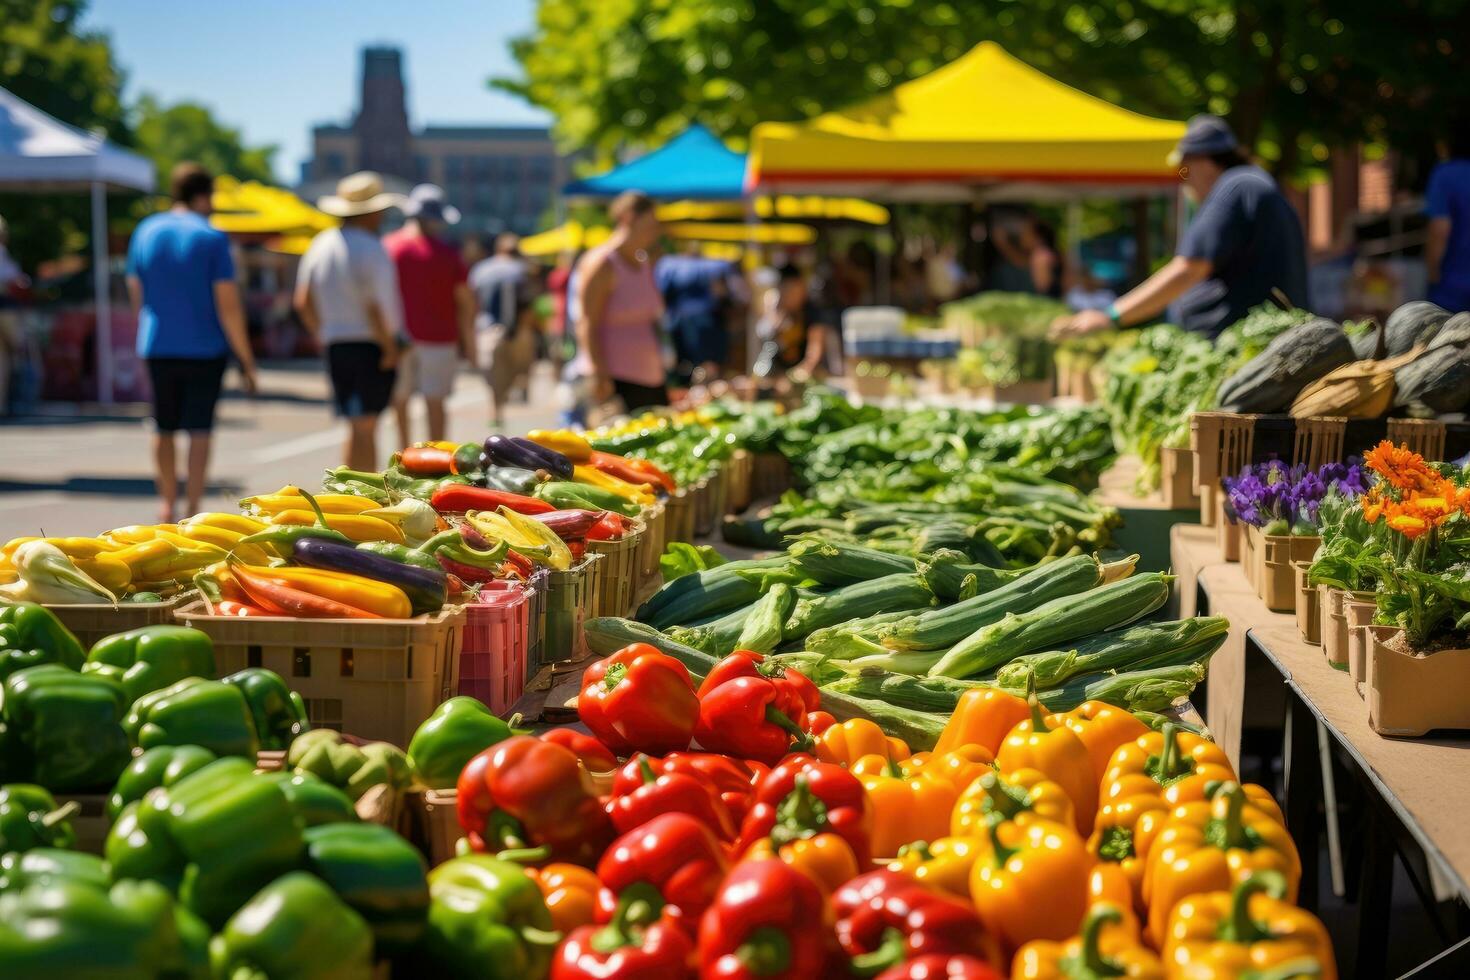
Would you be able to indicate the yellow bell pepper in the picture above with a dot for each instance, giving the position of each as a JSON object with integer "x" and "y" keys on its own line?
{"x": 358, "y": 527}
{"x": 378, "y": 598}
{"x": 961, "y": 766}
{"x": 826, "y": 859}
{"x": 906, "y": 809}
{"x": 564, "y": 441}
{"x": 982, "y": 717}
{"x": 1103, "y": 948}
{"x": 942, "y": 864}
{"x": 1156, "y": 760}
{"x": 1122, "y": 835}
{"x": 1102, "y": 728}
{"x": 331, "y": 503}
{"x": 848, "y": 741}
{"x": 638, "y": 493}
{"x": 1059, "y": 754}
{"x": 1108, "y": 884}
{"x": 1030, "y": 881}
{"x": 1250, "y": 931}
{"x": 238, "y": 523}
{"x": 1021, "y": 796}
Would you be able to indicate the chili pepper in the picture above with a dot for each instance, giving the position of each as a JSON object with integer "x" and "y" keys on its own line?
{"x": 294, "y": 928}
{"x": 356, "y": 527}
{"x": 283, "y": 535}
{"x": 676, "y": 854}
{"x": 1030, "y": 881}
{"x": 937, "y": 966}
{"x": 162, "y": 765}
{"x": 313, "y": 800}
{"x": 671, "y": 792}
{"x": 610, "y": 526}
{"x": 380, "y": 599}
{"x": 848, "y": 741}
{"x": 349, "y": 475}
{"x": 109, "y": 571}
{"x": 564, "y": 441}
{"x": 30, "y": 635}
{"x": 942, "y": 864}
{"x": 426, "y": 461}
{"x": 41, "y": 573}
{"x": 194, "y": 711}
{"x": 818, "y": 722}
{"x": 30, "y": 818}
{"x": 229, "y": 607}
{"x": 151, "y": 657}
{"x": 487, "y": 920}
{"x": 1249, "y": 931}
{"x": 754, "y": 718}
{"x": 572, "y": 526}
{"x": 620, "y": 468}
{"x": 43, "y": 865}
{"x": 457, "y": 730}
{"x": 1056, "y": 752}
{"x": 907, "y": 808}
{"x": 526, "y": 793}
{"x": 234, "y": 523}
{"x": 1022, "y": 796}
{"x": 159, "y": 560}
{"x": 652, "y": 471}
{"x": 884, "y": 918}
{"x": 216, "y": 836}
{"x": 802, "y": 797}
{"x": 733, "y": 780}
{"x": 639, "y": 698}
{"x": 982, "y": 717}
{"x": 416, "y": 557}
{"x": 63, "y": 730}
{"x": 458, "y": 499}
{"x": 425, "y": 590}
{"x": 279, "y": 713}
{"x": 769, "y": 921}
{"x": 1103, "y": 948}
{"x": 1102, "y": 728}
{"x": 291, "y": 498}
{"x": 473, "y": 574}
{"x": 270, "y": 593}
{"x": 570, "y": 892}
{"x": 531, "y": 540}
{"x": 640, "y": 943}
{"x": 640, "y": 493}
{"x": 377, "y": 873}
{"x": 825, "y": 858}
{"x": 579, "y": 496}
{"x": 595, "y": 756}
{"x": 1211, "y": 847}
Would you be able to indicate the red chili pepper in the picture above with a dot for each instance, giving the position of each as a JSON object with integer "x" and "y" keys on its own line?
{"x": 802, "y": 797}
{"x": 529, "y": 795}
{"x": 578, "y": 550}
{"x": 282, "y": 600}
{"x": 471, "y": 574}
{"x": 653, "y": 471}
{"x": 674, "y": 853}
{"x": 456, "y": 498}
{"x": 768, "y": 921}
{"x": 639, "y": 698}
{"x": 733, "y": 779}
{"x": 671, "y": 792}
{"x": 519, "y": 563}
{"x": 640, "y": 943}
{"x": 885, "y": 918}
{"x": 622, "y": 468}
{"x": 595, "y": 756}
{"x": 426, "y": 461}
{"x": 752, "y": 718}
{"x": 938, "y": 966}
{"x": 818, "y": 722}
{"x": 229, "y": 607}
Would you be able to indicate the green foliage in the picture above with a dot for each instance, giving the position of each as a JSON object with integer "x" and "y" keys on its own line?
{"x": 188, "y": 131}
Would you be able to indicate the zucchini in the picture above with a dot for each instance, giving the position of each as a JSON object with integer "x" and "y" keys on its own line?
{"x": 1155, "y": 689}
{"x": 1134, "y": 648}
{"x": 855, "y": 638}
{"x": 941, "y": 628}
{"x": 842, "y": 564}
{"x": 689, "y": 598}
{"x": 946, "y": 571}
{"x": 938, "y": 694}
{"x": 609, "y": 634}
{"x": 762, "y": 630}
{"x": 855, "y": 601}
{"x": 1058, "y": 621}
{"x": 947, "y": 535}
{"x": 750, "y": 532}
{"x": 717, "y": 637}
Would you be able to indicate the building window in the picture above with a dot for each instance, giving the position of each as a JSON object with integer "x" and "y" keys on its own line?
{"x": 333, "y": 165}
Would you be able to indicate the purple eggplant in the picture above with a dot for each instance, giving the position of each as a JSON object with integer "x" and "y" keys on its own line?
{"x": 554, "y": 462}
{"x": 427, "y": 590}
{"x": 570, "y": 525}
{"x": 505, "y": 451}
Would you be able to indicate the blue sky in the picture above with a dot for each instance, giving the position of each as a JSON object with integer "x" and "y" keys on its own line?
{"x": 273, "y": 68}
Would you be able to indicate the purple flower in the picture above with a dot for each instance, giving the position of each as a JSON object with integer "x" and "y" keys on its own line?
{"x": 1272, "y": 492}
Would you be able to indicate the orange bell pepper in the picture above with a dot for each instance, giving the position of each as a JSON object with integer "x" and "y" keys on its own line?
{"x": 1103, "y": 948}
{"x": 1157, "y": 760}
{"x": 1211, "y": 847}
{"x": 961, "y": 766}
{"x": 906, "y": 809}
{"x": 570, "y": 893}
{"x": 1202, "y": 789}
{"x": 847, "y": 742}
{"x": 1056, "y": 752}
{"x": 1109, "y": 885}
{"x": 942, "y": 864}
{"x": 826, "y": 859}
{"x": 1102, "y": 728}
{"x": 1030, "y": 881}
{"x": 1248, "y": 932}
{"x": 1121, "y": 837}
{"x": 1023, "y": 796}
{"x": 982, "y": 717}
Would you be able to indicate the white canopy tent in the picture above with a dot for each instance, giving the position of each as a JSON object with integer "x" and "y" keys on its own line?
{"x": 42, "y": 154}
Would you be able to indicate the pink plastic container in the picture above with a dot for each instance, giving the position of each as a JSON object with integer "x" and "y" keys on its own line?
{"x": 493, "y": 658}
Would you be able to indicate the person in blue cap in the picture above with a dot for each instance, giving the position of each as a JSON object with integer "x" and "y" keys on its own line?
{"x": 1243, "y": 246}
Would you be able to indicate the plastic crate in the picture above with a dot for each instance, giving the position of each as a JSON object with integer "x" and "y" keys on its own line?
{"x": 616, "y": 578}
{"x": 679, "y": 516}
{"x": 536, "y": 621}
{"x": 378, "y": 679}
{"x": 492, "y": 659}
{"x": 568, "y": 599}
{"x": 91, "y": 621}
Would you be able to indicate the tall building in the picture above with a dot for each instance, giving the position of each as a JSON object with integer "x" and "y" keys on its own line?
{"x": 500, "y": 177}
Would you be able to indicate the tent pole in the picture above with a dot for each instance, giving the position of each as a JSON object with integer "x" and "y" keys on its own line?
{"x": 102, "y": 296}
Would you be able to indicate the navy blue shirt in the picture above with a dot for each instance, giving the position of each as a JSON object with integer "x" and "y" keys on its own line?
{"x": 1448, "y": 196}
{"x": 179, "y": 258}
{"x": 1253, "y": 239}
{"x": 687, "y": 284}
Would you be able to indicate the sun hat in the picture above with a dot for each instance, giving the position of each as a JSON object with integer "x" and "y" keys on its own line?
{"x": 428, "y": 201}
{"x": 359, "y": 193}
{"x": 1204, "y": 135}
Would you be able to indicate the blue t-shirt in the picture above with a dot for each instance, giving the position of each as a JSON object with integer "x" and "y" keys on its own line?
{"x": 1448, "y": 196}
{"x": 179, "y": 258}
{"x": 1252, "y": 237}
{"x": 687, "y": 284}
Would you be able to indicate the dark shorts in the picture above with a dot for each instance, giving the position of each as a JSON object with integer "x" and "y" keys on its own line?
{"x": 185, "y": 392}
{"x": 640, "y": 396}
{"x": 359, "y": 386}
{"x": 699, "y": 338}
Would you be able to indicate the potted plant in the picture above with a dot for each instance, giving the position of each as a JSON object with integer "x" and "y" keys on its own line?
{"x": 1345, "y": 568}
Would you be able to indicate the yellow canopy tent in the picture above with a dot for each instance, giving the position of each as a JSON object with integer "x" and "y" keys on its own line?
{"x": 985, "y": 118}
{"x": 252, "y": 208}
{"x": 573, "y": 236}
{"x": 787, "y": 207}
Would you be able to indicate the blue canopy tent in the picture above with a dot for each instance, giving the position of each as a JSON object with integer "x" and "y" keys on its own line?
{"x": 694, "y": 164}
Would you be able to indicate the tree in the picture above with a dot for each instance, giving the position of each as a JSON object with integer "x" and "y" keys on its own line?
{"x": 189, "y": 131}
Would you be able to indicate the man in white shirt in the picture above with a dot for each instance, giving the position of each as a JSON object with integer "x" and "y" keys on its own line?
{"x": 347, "y": 297}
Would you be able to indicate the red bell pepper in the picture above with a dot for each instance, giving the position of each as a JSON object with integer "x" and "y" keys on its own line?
{"x": 610, "y": 527}
{"x": 457, "y": 498}
{"x": 885, "y": 918}
{"x": 673, "y": 852}
{"x": 937, "y": 966}
{"x": 595, "y": 756}
{"x": 640, "y": 943}
{"x": 768, "y": 921}
{"x": 639, "y": 698}
{"x": 818, "y": 722}
{"x": 801, "y": 798}
{"x": 526, "y": 794}
{"x": 672, "y": 792}
{"x": 733, "y": 780}
{"x": 748, "y": 663}
{"x": 426, "y": 461}
{"x": 753, "y": 718}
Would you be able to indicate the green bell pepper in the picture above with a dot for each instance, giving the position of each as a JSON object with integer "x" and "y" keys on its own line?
{"x": 378, "y": 873}
{"x": 457, "y": 731}
{"x": 194, "y": 711}
{"x": 43, "y": 865}
{"x": 487, "y": 919}
{"x": 30, "y": 818}
{"x": 354, "y": 769}
{"x": 315, "y": 801}
{"x": 31, "y": 634}
{"x": 151, "y": 658}
{"x": 294, "y": 929}
{"x": 215, "y": 837}
{"x": 64, "y": 729}
{"x": 72, "y": 928}
{"x": 279, "y": 712}
{"x": 162, "y": 765}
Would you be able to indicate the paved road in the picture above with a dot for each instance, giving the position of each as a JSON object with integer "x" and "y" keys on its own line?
{"x": 83, "y": 474}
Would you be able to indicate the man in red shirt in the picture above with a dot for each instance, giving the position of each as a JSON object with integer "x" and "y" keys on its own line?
{"x": 438, "y": 307}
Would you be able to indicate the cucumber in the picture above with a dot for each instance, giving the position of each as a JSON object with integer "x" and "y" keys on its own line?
{"x": 842, "y": 564}
{"x": 945, "y": 572}
{"x": 860, "y": 599}
{"x": 609, "y": 634}
{"x": 762, "y": 630}
{"x": 689, "y": 598}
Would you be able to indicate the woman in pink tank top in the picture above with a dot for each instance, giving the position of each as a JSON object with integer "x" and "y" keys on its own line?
{"x": 619, "y": 309}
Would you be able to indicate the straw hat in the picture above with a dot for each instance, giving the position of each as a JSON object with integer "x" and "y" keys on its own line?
{"x": 359, "y": 193}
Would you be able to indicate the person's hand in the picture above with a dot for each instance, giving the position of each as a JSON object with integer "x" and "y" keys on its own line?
{"x": 1079, "y": 324}
{"x": 248, "y": 380}
{"x": 389, "y": 360}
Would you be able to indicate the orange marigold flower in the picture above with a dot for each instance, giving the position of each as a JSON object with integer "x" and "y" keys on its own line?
{"x": 1372, "y": 507}
{"x": 1400, "y": 467}
{"x": 1408, "y": 525}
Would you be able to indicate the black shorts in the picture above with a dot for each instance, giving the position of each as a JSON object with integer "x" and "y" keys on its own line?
{"x": 359, "y": 386}
{"x": 640, "y": 396}
{"x": 185, "y": 392}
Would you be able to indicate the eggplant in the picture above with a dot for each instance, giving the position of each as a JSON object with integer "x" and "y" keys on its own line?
{"x": 505, "y": 451}
{"x": 570, "y": 525}
{"x": 427, "y": 591}
{"x": 512, "y": 479}
{"x": 557, "y": 464}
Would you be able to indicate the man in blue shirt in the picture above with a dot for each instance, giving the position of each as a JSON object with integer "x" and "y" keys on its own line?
{"x": 181, "y": 280}
{"x": 696, "y": 294}
{"x": 1447, "y": 203}
{"x": 1244, "y": 244}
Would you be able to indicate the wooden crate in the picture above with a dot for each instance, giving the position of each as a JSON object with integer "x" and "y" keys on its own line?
{"x": 737, "y": 494}
{"x": 615, "y": 579}
{"x": 679, "y": 515}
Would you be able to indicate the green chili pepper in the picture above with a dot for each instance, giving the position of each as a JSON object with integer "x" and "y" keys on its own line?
{"x": 284, "y": 536}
